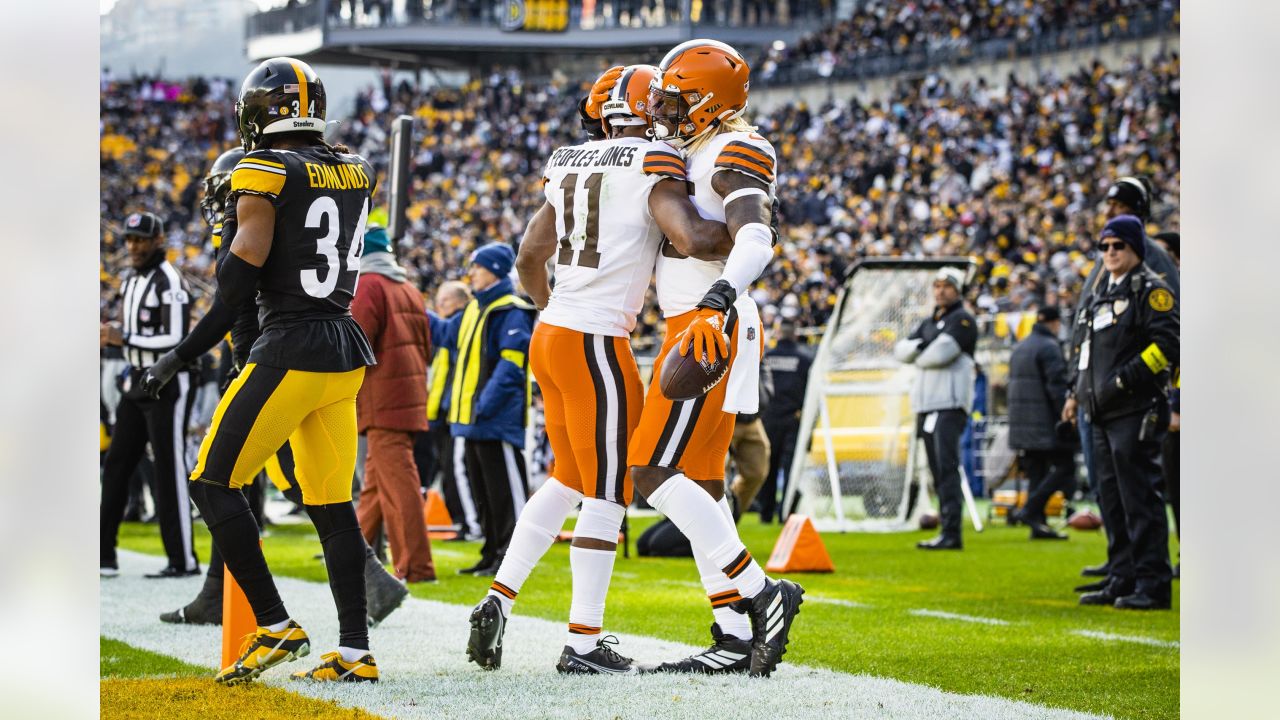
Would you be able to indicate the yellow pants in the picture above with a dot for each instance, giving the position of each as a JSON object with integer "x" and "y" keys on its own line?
{"x": 264, "y": 407}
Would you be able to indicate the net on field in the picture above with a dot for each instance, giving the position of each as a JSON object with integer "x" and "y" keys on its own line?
{"x": 857, "y": 424}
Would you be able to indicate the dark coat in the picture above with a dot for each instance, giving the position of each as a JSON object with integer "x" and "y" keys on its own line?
{"x": 1037, "y": 391}
{"x": 394, "y": 393}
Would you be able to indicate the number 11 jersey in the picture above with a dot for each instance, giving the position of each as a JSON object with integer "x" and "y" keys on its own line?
{"x": 608, "y": 239}
{"x": 322, "y": 200}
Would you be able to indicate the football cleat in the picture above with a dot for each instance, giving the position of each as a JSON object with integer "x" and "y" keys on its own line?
{"x": 335, "y": 669}
{"x": 484, "y": 646}
{"x": 727, "y": 654}
{"x": 383, "y": 593}
{"x": 601, "y": 661}
{"x": 265, "y": 649}
{"x": 205, "y": 609}
{"x": 771, "y": 611}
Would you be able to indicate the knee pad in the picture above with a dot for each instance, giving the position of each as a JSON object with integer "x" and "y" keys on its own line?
{"x": 549, "y": 506}
{"x": 599, "y": 520}
{"x": 217, "y": 503}
{"x": 333, "y": 519}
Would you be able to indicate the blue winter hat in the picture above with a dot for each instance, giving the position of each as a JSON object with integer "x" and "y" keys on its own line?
{"x": 376, "y": 240}
{"x": 1129, "y": 230}
{"x": 497, "y": 258}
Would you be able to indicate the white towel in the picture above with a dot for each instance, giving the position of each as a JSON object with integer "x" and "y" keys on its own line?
{"x": 742, "y": 392}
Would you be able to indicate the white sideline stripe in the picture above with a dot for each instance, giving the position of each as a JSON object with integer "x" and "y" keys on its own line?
{"x": 836, "y": 601}
{"x": 924, "y": 612}
{"x": 425, "y": 675}
{"x": 1110, "y": 637}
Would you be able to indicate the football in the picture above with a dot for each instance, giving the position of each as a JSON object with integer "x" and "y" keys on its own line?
{"x": 685, "y": 378}
{"x": 1085, "y": 520}
{"x": 928, "y": 521}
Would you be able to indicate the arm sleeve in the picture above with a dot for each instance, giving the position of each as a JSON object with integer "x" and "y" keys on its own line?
{"x": 207, "y": 333}
{"x": 940, "y": 353}
{"x": 508, "y": 378}
{"x": 175, "y": 312}
{"x": 908, "y": 349}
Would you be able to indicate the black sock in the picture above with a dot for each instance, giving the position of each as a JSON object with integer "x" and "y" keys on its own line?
{"x": 344, "y": 554}
{"x": 213, "y": 579}
{"x": 236, "y": 536}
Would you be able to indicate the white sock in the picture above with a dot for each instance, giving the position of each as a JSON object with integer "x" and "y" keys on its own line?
{"x": 709, "y": 531}
{"x": 592, "y": 570}
{"x": 536, "y": 529}
{"x": 721, "y": 592}
{"x": 277, "y": 627}
{"x": 350, "y": 655}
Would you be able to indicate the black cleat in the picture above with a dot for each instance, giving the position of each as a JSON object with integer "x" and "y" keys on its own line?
{"x": 727, "y": 654}
{"x": 383, "y": 593}
{"x": 1102, "y": 570}
{"x": 484, "y": 646}
{"x": 601, "y": 661}
{"x": 941, "y": 542}
{"x": 205, "y": 609}
{"x": 172, "y": 572}
{"x": 771, "y": 612}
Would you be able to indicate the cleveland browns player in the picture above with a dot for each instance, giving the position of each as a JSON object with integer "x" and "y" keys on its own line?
{"x": 383, "y": 592}
{"x": 609, "y": 204}
{"x": 300, "y": 207}
{"x": 678, "y": 450}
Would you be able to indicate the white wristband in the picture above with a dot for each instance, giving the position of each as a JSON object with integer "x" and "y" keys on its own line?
{"x": 744, "y": 192}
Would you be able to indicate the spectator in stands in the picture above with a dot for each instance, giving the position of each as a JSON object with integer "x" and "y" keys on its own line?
{"x": 1037, "y": 392}
{"x": 788, "y": 362}
{"x": 489, "y": 406}
{"x": 941, "y": 347}
{"x": 448, "y": 452}
{"x": 391, "y": 406}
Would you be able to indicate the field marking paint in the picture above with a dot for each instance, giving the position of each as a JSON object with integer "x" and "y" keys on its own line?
{"x": 837, "y": 601}
{"x": 924, "y": 612}
{"x": 1138, "y": 639}
{"x": 420, "y": 653}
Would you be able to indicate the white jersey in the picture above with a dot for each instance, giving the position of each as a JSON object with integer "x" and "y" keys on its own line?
{"x": 682, "y": 281}
{"x": 608, "y": 238}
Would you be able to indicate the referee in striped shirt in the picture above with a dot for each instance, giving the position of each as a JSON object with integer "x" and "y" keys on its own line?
{"x": 155, "y": 312}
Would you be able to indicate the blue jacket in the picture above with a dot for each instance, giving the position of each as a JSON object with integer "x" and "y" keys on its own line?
{"x": 490, "y": 388}
{"x": 442, "y": 363}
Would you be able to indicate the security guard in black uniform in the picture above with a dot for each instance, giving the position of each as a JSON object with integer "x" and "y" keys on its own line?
{"x": 301, "y": 207}
{"x": 1124, "y": 364}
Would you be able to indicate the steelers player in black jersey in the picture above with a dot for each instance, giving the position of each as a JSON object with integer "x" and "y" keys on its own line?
{"x": 383, "y": 592}
{"x": 301, "y": 207}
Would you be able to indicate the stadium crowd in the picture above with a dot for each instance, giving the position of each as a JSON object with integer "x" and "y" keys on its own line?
{"x": 1012, "y": 175}
{"x": 890, "y": 28}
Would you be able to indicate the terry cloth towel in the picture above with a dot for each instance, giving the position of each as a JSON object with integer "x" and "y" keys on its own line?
{"x": 742, "y": 394}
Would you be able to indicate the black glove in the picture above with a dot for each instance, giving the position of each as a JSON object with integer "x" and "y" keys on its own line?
{"x": 591, "y": 126}
{"x": 720, "y": 297}
{"x": 775, "y": 220}
{"x": 158, "y": 375}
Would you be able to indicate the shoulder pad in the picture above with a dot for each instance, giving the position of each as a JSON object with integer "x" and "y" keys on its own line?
{"x": 261, "y": 172}
{"x": 748, "y": 153}
{"x": 665, "y": 161}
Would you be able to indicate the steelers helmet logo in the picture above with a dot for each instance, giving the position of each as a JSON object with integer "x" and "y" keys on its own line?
{"x": 1161, "y": 300}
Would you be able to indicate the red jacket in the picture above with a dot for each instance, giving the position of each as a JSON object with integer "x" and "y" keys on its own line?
{"x": 392, "y": 315}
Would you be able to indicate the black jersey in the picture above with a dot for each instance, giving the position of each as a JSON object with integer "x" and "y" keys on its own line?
{"x": 322, "y": 200}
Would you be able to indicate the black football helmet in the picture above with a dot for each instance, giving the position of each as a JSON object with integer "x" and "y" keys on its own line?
{"x": 280, "y": 95}
{"x": 217, "y": 183}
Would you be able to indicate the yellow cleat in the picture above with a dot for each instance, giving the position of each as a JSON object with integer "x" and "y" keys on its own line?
{"x": 265, "y": 649}
{"x": 335, "y": 669}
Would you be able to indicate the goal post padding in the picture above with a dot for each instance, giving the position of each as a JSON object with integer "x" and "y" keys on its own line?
{"x": 857, "y": 425}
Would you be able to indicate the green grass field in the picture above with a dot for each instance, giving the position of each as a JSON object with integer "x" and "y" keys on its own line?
{"x": 859, "y": 619}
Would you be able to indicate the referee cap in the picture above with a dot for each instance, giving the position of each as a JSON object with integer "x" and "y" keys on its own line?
{"x": 143, "y": 224}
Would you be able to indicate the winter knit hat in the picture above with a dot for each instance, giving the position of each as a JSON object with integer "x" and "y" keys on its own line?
{"x": 1128, "y": 229}
{"x": 497, "y": 258}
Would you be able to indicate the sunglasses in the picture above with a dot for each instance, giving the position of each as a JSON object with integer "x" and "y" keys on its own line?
{"x": 1108, "y": 247}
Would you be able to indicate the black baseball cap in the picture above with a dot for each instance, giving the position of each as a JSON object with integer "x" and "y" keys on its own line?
{"x": 143, "y": 224}
{"x": 1048, "y": 313}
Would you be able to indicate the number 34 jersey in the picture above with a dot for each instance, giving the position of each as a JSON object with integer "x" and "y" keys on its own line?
{"x": 322, "y": 200}
{"x": 608, "y": 239}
